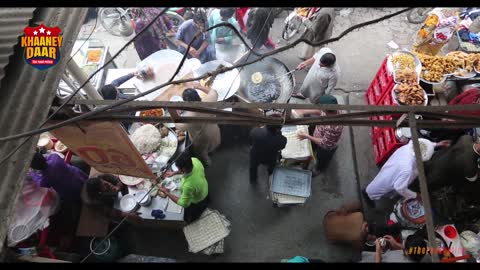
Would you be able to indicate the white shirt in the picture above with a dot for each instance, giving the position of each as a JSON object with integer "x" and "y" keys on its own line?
{"x": 320, "y": 80}
{"x": 396, "y": 175}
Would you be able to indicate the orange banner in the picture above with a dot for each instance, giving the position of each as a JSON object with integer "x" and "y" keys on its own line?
{"x": 104, "y": 146}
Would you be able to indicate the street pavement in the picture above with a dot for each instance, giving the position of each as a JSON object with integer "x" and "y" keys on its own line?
{"x": 260, "y": 232}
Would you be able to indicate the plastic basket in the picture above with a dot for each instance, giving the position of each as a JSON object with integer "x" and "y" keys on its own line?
{"x": 382, "y": 83}
{"x": 385, "y": 143}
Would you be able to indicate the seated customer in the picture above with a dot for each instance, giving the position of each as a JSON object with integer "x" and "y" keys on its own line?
{"x": 411, "y": 251}
{"x": 99, "y": 194}
{"x": 347, "y": 225}
{"x": 194, "y": 187}
{"x": 201, "y": 47}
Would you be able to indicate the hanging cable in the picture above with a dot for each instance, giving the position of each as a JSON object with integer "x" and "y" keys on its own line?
{"x": 225, "y": 69}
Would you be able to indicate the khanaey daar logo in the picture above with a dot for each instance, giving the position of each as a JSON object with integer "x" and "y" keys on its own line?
{"x": 42, "y": 46}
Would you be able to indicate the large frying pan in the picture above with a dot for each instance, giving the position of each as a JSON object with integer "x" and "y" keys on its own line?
{"x": 276, "y": 86}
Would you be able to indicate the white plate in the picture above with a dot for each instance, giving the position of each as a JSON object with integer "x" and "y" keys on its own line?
{"x": 468, "y": 75}
{"x": 127, "y": 203}
{"x": 130, "y": 180}
{"x": 394, "y": 97}
{"x": 418, "y": 63}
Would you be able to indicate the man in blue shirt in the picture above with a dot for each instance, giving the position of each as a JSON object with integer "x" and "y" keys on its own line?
{"x": 201, "y": 47}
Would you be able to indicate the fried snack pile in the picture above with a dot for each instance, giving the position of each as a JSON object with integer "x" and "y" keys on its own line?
{"x": 406, "y": 76}
{"x": 476, "y": 61}
{"x": 434, "y": 68}
{"x": 152, "y": 113}
{"x": 410, "y": 94}
{"x": 403, "y": 61}
{"x": 462, "y": 61}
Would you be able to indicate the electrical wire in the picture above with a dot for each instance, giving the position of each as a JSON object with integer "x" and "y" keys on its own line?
{"x": 167, "y": 167}
{"x": 249, "y": 53}
{"x": 88, "y": 38}
{"x": 225, "y": 69}
{"x": 81, "y": 86}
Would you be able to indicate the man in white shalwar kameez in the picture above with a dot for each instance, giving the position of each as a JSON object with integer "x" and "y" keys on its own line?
{"x": 322, "y": 76}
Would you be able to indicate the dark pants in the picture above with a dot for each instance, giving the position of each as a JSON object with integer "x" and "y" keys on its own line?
{"x": 255, "y": 162}
{"x": 195, "y": 210}
{"x": 323, "y": 157}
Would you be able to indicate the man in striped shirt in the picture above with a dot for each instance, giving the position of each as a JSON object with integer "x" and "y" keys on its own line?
{"x": 325, "y": 137}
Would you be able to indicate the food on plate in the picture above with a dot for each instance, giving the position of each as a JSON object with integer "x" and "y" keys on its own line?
{"x": 403, "y": 61}
{"x": 168, "y": 147}
{"x": 434, "y": 68}
{"x": 146, "y": 139}
{"x": 257, "y": 77}
{"x": 181, "y": 138}
{"x": 132, "y": 181}
{"x": 407, "y": 75}
{"x": 60, "y": 147}
{"x": 152, "y": 113}
{"x": 94, "y": 55}
{"x": 410, "y": 94}
{"x": 462, "y": 61}
{"x": 164, "y": 132}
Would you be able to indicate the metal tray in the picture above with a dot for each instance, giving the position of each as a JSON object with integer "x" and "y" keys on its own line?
{"x": 292, "y": 181}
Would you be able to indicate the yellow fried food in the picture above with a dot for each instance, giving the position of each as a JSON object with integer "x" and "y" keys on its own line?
{"x": 257, "y": 77}
{"x": 403, "y": 61}
{"x": 410, "y": 94}
{"x": 406, "y": 75}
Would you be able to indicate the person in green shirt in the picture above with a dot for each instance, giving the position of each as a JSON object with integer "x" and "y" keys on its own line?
{"x": 194, "y": 187}
{"x": 222, "y": 35}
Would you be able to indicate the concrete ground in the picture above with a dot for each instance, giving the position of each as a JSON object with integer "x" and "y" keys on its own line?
{"x": 260, "y": 232}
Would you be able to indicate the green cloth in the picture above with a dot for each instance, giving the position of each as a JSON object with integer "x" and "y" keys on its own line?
{"x": 327, "y": 99}
{"x": 194, "y": 185}
{"x": 221, "y": 32}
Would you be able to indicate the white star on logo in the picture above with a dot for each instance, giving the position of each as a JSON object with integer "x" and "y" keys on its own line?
{"x": 35, "y": 32}
{"x": 42, "y": 30}
{"x": 48, "y": 32}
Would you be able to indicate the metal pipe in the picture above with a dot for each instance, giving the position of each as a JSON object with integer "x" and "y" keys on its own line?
{"x": 423, "y": 187}
{"x": 80, "y": 77}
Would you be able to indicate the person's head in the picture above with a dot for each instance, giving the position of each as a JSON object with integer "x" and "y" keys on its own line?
{"x": 109, "y": 92}
{"x": 98, "y": 187}
{"x": 184, "y": 163}
{"x": 327, "y": 99}
{"x": 415, "y": 241}
{"x": 328, "y": 60}
{"x": 274, "y": 128}
{"x": 200, "y": 20}
{"x": 191, "y": 94}
{"x": 39, "y": 162}
{"x": 226, "y": 13}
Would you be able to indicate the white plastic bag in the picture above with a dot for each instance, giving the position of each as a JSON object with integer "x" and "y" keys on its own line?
{"x": 34, "y": 206}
